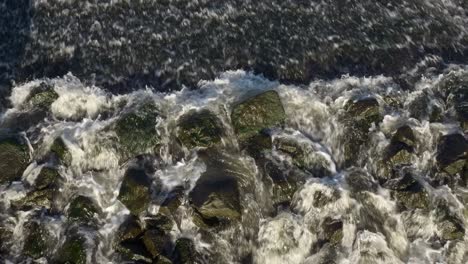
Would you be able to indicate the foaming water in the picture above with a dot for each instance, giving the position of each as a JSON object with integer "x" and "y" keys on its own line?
{"x": 373, "y": 230}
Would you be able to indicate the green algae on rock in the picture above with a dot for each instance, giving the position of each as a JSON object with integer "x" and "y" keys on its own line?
{"x": 42, "y": 97}
{"x": 61, "y": 152}
{"x": 184, "y": 252}
{"x": 73, "y": 250}
{"x": 135, "y": 191}
{"x": 14, "y": 158}
{"x": 136, "y": 131}
{"x": 259, "y": 112}
{"x": 452, "y": 152}
{"x": 36, "y": 241}
{"x": 200, "y": 129}
{"x": 82, "y": 209}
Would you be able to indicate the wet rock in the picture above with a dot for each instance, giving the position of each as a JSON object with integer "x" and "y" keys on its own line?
{"x": 172, "y": 201}
{"x": 360, "y": 180}
{"x": 163, "y": 260}
{"x": 14, "y": 157}
{"x": 135, "y": 190}
{"x": 398, "y": 153}
{"x": 200, "y": 129}
{"x": 409, "y": 193}
{"x": 258, "y": 144}
{"x": 451, "y": 153}
{"x": 48, "y": 178}
{"x": 6, "y": 236}
{"x": 156, "y": 242}
{"x": 83, "y": 210}
{"x": 321, "y": 199}
{"x": 215, "y": 197}
{"x": 36, "y": 241}
{"x": 136, "y": 131}
{"x": 331, "y": 231}
{"x": 160, "y": 221}
{"x": 360, "y": 114}
{"x": 425, "y": 107}
{"x": 257, "y": 113}
{"x": 42, "y": 97}
{"x": 450, "y": 226}
{"x": 304, "y": 156}
{"x": 60, "y": 152}
{"x": 283, "y": 184}
{"x": 455, "y": 88}
{"x": 73, "y": 250}
{"x": 129, "y": 241}
{"x": 185, "y": 252}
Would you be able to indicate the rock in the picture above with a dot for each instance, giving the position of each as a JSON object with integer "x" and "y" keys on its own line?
{"x": 42, "y": 97}
{"x": 36, "y": 241}
{"x": 397, "y": 154}
{"x": 321, "y": 199}
{"x": 305, "y": 157}
{"x": 359, "y": 181}
{"x": 35, "y": 199}
{"x": 135, "y": 190}
{"x": 455, "y": 88}
{"x": 451, "y": 153}
{"x": 360, "y": 114}
{"x": 331, "y": 231}
{"x": 129, "y": 241}
{"x": 136, "y": 131}
{"x": 450, "y": 226}
{"x": 216, "y": 194}
{"x": 156, "y": 242}
{"x": 6, "y": 236}
{"x": 172, "y": 201}
{"x": 14, "y": 157}
{"x": 200, "y": 129}
{"x": 185, "y": 252}
{"x": 409, "y": 193}
{"x": 48, "y": 178}
{"x": 82, "y": 209}
{"x": 73, "y": 251}
{"x": 425, "y": 107}
{"x": 258, "y": 144}
{"x": 163, "y": 260}
{"x": 60, "y": 152}
{"x": 257, "y": 113}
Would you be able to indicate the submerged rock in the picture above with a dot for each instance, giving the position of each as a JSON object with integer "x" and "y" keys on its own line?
{"x": 42, "y": 97}
{"x": 129, "y": 241}
{"x": 361, "y": 114}
{"x": 360, "y": 180}
{"x": 135, "y": 190}
{"x": 136, "y": 131}
{"x": 185, "y": 252}
{"x": 156, "y": 241}
{"x": 409, "y": 193}
{"x": 216, "y": 196}
{"x": 14, "y": 157}
{"x": 73, "y": 250}
{"x": 450, "y": 226}
{"x": 200, "y": 129}
{"x": 36, "y": 241}
{"x": 60, "y": 152}
{"x": 48, "y": 178}
{"x": 398, "y": 153}
{"x": 332, "y": 231}
{"x": 82, "y": 209}
{"x": 451, "y": 153}
{"x": 257, "y": 113}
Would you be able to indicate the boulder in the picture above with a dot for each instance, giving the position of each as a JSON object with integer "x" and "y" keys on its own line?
{"x": 136, "y": 131}
{"x": 409, "y": 193}
{"x": 82, "y": 210}
{"x": 331, "y": 231}
{"x": 360, "y": 114}
{"x": 129, "y": 243}
{"x": 14, "y": 157}
{"x": 73, "y": 250}
{"x": 60, "y": 152}
{"x": 48, "y": 178}
{"x": 200, "y": 129}
{"x": 360, "y": 180}
{"x": 42, "y": 97}
{"x": 216, "y": 196}
{"x": 257, "y": 113}
{"x": 185, "y": 252}
{"x": 425, "y": 107}
{"x": 257, "y": 145}
{"x": 321, "y": 199}
{"x": 36, "y": 240}
{"x": 135, "y": 190}
{"x": 156, "y": 241}
{"x": 451, "y": 153}
{"x": 397, "y": 154}
{"x": 450, "y": 226}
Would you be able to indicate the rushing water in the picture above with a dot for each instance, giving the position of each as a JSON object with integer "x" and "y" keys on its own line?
{"x": 373, "y": 229}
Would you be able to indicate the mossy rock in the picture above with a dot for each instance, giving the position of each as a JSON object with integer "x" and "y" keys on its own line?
{"x": 283, "y": 186}
{"x": 173, "y": 200}
{"x": 409, "y": 193}
{"x": 404, "y": 135}
{"x": 14, "y": 157}
{"x": 135, "y": 191}
{"x": 321, "y": 199}
{"x": 423, "y": 107}
{"x": 6, "y": 237}
{"x": 332, "y": 231}
{"x": 35, "y": 199}
{"x": 163, "y": 260}
{"x": 360, "y": 180}
{"x": 451, "y": 153}
{"x": 200, "y": 129}
{"x": 73, "y": 251}
{"x": 156, "y": 242}
{"x": 160, "y": 221}
{"x": 42, "y": 97}
{"x": 129, "y": 243}
{"x": 48, "y": 178}
{"x": 36, "y": 241}
{"x": 258, "y": 144}
{"x": 360, "y": 114}
{"x": 185, "y": 252}
{"x": 257, "y": 113}
{"x": 451, "y": 227}
{"x": 82, "y": 209}
{"x": 136, "y": 131}
{"x": 61, "y": 152}
{"x": 304, "y": 157}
